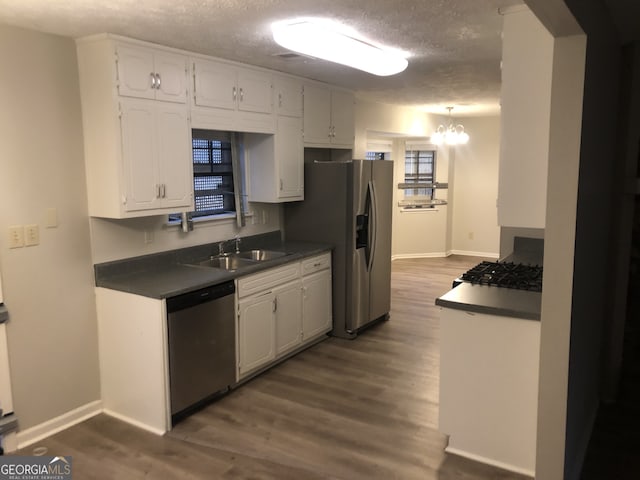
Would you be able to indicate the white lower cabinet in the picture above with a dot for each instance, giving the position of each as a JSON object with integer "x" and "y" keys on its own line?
{"x": 282, "y": 309}
{"x": 287, "y": 308}
{"x": 316, "y": 304}
{"x": 256, "y": 343}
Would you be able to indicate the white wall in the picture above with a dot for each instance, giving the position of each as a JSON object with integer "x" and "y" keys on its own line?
{"x": 48, "y": 288}
{"x": 475, "y": 229}
{"x": 118, "y": 239}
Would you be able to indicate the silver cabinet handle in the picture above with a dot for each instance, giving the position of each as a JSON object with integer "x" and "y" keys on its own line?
{"x": 153, "y": 80}
{"x": 164, "y": 190}
{"x": 280, "y": 100}
{"x": 241, "y": 94}
{"x": 234, "y": 94}
{"x": 275, "y": 304}
{"x": 158, "y": 81}
{"x": 158, "y": 191}
{"x": 281, "y": 184}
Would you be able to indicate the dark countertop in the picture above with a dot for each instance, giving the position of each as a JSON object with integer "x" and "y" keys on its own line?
{"x": 166, "y": 275}
{"x": 493, "y": 301}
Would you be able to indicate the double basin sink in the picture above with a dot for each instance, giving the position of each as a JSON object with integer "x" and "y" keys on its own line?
{"x": 233, "y": 261}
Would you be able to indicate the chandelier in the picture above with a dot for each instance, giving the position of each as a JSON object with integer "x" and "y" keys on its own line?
{"x": 451, "y": 135}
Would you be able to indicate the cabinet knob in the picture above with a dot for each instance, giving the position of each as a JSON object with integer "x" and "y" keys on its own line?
{"x": 158, "y": 81}
{"x": 241, "y": 94}
{"x": 153, "y": 80}
{"x": 235, "y": 93}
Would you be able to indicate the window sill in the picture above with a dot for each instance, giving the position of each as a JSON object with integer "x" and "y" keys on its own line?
{"x": 419, "y": 210}
{"x": 222, "y": 218}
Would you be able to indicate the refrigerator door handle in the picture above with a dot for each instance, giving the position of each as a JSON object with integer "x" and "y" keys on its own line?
{"x": 373, "y": 223}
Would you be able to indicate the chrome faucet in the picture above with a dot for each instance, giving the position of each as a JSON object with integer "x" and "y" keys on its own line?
{"x": 236, "y": 240}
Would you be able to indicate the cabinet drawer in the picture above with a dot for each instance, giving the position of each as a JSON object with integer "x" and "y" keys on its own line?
{"x": 268, "y": 279}
{"x": 315, "y": 264}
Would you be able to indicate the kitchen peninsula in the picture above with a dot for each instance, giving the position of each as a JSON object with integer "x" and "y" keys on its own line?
{"x": 489, "y": 356}
{"x": 163, "y": 326}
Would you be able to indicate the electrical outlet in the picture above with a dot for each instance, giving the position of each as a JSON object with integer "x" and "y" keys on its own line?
{"x": 16, "y": 236}
{"x": 31, "y": 235}
{"x": 148, "y": 236}
{"x": 265, "y": 216}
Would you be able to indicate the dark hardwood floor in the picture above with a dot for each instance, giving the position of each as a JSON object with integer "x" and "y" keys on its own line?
{"x": 343, "y": 409}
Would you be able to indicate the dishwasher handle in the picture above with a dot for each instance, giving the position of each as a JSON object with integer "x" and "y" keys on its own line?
{"x": 191, "y": 299}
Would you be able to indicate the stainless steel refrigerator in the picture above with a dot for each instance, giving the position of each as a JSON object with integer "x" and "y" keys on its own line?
{"x": 349, "y": 204}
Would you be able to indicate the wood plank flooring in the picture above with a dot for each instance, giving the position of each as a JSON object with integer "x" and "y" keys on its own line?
{"x": 343, "y": 409}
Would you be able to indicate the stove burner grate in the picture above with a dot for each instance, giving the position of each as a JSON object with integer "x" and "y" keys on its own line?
{"x": 506, "y": 274}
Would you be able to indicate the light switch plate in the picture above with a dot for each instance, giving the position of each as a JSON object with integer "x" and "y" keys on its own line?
{"x": 16, "y": 236}
{"x": 31, "y": 235}
{"x": 51, "y": 218}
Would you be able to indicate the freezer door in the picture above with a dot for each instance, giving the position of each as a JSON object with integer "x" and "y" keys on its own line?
{"x": 380, "y": 225}
{"x": 358, "y": 296}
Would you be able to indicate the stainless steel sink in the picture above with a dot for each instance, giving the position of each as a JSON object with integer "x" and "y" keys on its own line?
{"x": 233, "y": 261}
{"x": 226, "y": 262}
{"x": 260, "y": 255}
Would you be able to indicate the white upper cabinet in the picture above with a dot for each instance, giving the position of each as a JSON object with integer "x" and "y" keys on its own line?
{"x": 143, "y": 73}
{"x": 138, "y": 141}
{"x": 276, "y": 163}
{"x": 527, "y": 60}
{"x": 288, "y": 96}
{"x": 328, "y": 117}
{"x": 228, "y": 97}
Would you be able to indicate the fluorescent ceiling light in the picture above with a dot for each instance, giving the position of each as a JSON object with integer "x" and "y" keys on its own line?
{"x": 329, "y": 41}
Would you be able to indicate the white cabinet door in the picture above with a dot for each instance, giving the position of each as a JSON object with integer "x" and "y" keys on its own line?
{"x": 174, "y": 155}
{"x": 288, "y": 305}
{"x": 215, "y": 84}
{"x": 171, "y": 70}
{"x": 254, "y": 91}
{"x": 317, "y": 114}
{"x": 328, "y": 117}
{"x": 289, "y": 157}
{"x": 256, "y": 343}
{"x": 135, "y": 72}
{"x": 156, "y": 155}
{"x": 288, "y": 96}
{"x": 145, "y": 73}
{"x": 316, "y": 304}
{"x": 140, "y": 169}
{"x": 342, "y": 118}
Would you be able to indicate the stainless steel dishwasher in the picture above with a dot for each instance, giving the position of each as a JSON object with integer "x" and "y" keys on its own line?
{"x": 202, "y": 353}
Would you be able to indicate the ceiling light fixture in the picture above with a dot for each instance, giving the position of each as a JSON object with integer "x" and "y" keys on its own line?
{"x": 451, "y": 135}
{"x": 330, "y": 41}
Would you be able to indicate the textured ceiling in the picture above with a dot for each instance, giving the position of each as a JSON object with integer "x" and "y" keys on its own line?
{"x": 454, "y": 46}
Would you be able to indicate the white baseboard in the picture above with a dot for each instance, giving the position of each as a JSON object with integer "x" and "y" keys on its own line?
{"x": 419, "y": 255}
{"x": 490, "y": 461}
{"x": 57, "y": 424}
{"x": 474, "y": 254}
{"x": 134, "y": 422}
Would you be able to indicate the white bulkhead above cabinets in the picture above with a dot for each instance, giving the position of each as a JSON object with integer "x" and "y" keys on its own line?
{"x": 140, "y": 102}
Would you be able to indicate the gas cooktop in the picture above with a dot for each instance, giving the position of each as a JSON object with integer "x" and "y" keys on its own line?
{"x": 505, "y": 274}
